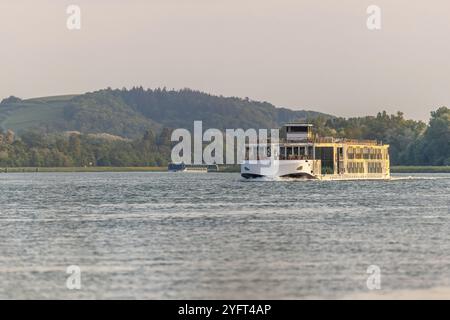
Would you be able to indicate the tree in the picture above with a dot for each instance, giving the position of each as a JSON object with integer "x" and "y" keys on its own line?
{"x": 11, "y": 99}
{"x": 436, "y": 141}
{"x": 10, "y": 137}
{"x": 75, "y": 148}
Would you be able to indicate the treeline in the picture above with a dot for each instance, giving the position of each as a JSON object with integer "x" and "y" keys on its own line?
{"x": 180, "y": 108}
{"x": 34, "y": 149}
{"x": 128, "y": 113}
{"x": 411, "y": 142}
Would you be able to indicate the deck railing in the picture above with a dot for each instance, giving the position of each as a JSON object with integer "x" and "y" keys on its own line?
{"x": 331, "y": 140}
{"x": 295, "y": 157}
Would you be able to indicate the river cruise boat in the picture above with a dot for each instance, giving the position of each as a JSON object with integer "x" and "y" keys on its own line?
{"x": 299, "y": 153}
{"x": 199, "y": 168}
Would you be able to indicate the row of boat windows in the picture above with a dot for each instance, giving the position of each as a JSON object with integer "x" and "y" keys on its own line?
{"x": 358, "y": 167}
{"x": 296, "y": 153}
{"x": 374, "y": 167}
{"x": 285, "y": 153}
{"x": 365, "y": 153}
{"x": 291, "y": 153}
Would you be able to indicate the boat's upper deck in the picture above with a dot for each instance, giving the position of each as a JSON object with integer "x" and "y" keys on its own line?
{"x": 297, "y": 142}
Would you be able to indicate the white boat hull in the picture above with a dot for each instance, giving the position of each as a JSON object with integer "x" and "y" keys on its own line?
{"x": 277, "y": 168}
{"x": 303, "y": 169}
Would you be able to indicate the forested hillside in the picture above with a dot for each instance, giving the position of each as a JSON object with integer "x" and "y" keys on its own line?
{"x": 133, "y": 127}
{"x": 129, "y": 113}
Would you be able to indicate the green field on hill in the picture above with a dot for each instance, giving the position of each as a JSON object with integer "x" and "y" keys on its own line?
{"x": 34, "y": 112}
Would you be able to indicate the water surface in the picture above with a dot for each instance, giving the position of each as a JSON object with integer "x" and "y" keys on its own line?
{"x": 189, "y": 236}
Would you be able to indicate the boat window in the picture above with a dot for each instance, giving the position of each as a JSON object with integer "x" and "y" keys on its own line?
{"x": 366, "y": 153}
{"x": 289, "y": 151}
{"x": 350, "y": 153}
{"x": 299, "y": 129}
{"x": 302, "y": 151}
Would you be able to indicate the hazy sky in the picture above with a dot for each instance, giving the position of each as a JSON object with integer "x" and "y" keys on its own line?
{"x": 313, "y": 54}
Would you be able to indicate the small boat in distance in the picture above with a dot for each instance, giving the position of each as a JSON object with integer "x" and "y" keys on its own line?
{"x": 300, "y": 154}
{"x": 182, "y": 167}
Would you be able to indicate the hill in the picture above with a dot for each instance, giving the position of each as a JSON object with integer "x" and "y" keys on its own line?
{"x": 129, "y": 113}
{"x": 133, "y": 127}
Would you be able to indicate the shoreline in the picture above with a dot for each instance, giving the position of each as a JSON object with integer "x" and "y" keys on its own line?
{"x": 231, "y": 169}
{"x": 420, "y": 169}
{"x": 80, "y": 169}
